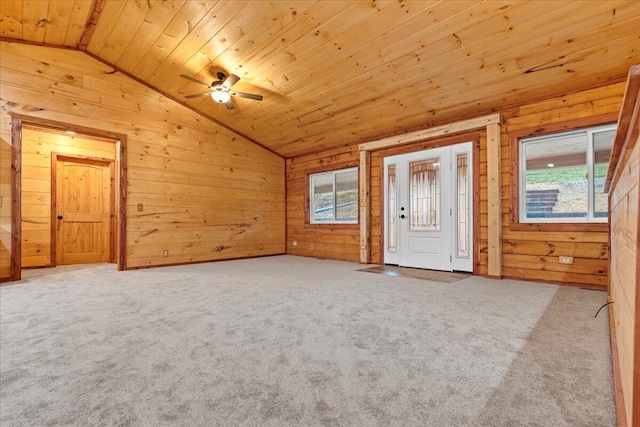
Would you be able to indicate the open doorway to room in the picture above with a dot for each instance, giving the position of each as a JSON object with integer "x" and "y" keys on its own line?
{"x": 70, "y": 188}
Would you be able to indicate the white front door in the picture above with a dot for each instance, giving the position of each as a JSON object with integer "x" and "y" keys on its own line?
{"x": 428, "y": 209}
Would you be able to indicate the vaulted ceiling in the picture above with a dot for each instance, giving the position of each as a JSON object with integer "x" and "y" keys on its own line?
{"x": 340, "y": 72}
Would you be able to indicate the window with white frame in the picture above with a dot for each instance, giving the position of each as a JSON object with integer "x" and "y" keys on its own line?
{"x": 562, "y": 176}
{"x": 333, "y": 197}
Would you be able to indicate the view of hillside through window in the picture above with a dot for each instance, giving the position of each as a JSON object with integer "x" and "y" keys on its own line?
{"x": 564, "y": 175}
{"x": 334, "y": 197}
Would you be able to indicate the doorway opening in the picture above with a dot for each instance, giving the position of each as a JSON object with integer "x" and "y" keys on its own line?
{"x": 428, "y": 209}
{"x": 69, "y": 186}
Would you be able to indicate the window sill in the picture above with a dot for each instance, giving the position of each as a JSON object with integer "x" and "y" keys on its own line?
{"x": 602, "y": 227}
{"x": 330, "y": 225}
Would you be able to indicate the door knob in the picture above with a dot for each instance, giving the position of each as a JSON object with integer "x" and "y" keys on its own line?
{"x": 402, "y": 216}
{"x": 59, "y": 216}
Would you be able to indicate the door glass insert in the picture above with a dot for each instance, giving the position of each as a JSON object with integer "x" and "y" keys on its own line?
{"x": 392, "y": 213}
{"x": 424, "y": 195}
{"x": 462, "y": 192}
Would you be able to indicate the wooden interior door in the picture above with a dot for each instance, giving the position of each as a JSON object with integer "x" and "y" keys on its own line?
{"x": 83, "y": 211}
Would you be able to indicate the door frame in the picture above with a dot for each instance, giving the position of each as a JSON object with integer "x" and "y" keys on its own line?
{"x": 474, "y": 139}
{"x": 55, "y": 157}
{"x": 120, "y": 195}
{"x": 468, "y": 147}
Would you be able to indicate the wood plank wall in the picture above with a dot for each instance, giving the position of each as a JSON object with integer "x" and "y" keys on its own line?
{"x": 207, "y": 193}
{"x": 337, "y": 241}
{"x": 624, "y": 287}
{"x": 5, "y": 208}
{"x": 37, "y": 146}
{"x": 531, "y": 254}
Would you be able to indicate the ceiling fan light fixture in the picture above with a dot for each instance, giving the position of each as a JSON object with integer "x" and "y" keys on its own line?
{"x": 221, "y": 97}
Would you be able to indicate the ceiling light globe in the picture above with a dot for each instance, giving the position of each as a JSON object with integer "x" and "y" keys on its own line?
{"x": 220, "y": 97}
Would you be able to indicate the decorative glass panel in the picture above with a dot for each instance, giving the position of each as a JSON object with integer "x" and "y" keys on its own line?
{"x": 393, "y": 213}
{"x": 424, "y": 195}
{"x": 462, "y": 192}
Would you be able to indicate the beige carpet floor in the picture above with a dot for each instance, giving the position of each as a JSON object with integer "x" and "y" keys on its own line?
{"x": 290, "y": 341}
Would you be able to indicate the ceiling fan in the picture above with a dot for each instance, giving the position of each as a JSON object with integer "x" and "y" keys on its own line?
{"x": 220, "y": 90}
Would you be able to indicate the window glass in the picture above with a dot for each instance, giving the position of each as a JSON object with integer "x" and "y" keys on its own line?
{"x": 556, "y": 184}
{"x": 462, "y": 191}
{"x": 602, "y": 143}
{"x": 391, "y": 194}
{"x": 334, "y": 196}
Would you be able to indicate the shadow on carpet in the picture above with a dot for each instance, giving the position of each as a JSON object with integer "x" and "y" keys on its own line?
{"x": 417, "y": 273}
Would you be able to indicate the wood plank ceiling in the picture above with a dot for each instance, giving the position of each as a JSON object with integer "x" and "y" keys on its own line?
{"x": 342, "y": 72}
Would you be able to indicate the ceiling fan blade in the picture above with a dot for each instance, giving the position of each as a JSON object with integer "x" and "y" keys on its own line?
{"x": 193, "y": 80}
{"x": 246, "y": 95}
{"x": 198, "y": 94}
{"x": 229, "y": 105}
{"x": 230, "y": 81}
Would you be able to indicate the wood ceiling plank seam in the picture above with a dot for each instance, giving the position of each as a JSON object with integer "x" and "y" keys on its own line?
{"x": 497, "y": 29}
{"x": 485, "y": 66}
{"x": 421, "y": 123}
{"x": 369, "y": 50}
{"x": 555, "y": 103}
{"x": 200, "y": 64}
{"x": 277, "y": 47}
{"x": 497, "y": 80}
{"x": 132, "y": 16}
{"x": 34, "y": 20}
{"x": 277, "y": 38}
{"x": 324, "y": 33}
{"x": 531, "y": 44}
{"x": 158, "y": 18}
{"x": 381, "y": 131}
{"x": 191, "y": 13}
{"x": 206, "y": 30}
{"x": 408, "y": 100}
{"x": 402, "y": 78}
{"x": 253, "y": 34}
{"x": 343, "y": 75}
{"x": 59, "y": 16}
{"x": 373, "y": 120}
{"x": 105, "y": 22}
{"x": 80, "y": 16}
{"x": 11, "y": 24}
{"x": 549, "y": 56}
{"x": 365, "y": 32}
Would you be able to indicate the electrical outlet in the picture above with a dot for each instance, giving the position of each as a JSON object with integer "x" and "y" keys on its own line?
{"x": 294, "y": 243}
{"x": 165, "y": 253}
{"x": 140, "y": 207}
{"x": 566, "y": 260}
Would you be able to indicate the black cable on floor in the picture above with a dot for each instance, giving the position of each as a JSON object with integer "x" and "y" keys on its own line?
{"x": 610, "y": 302}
